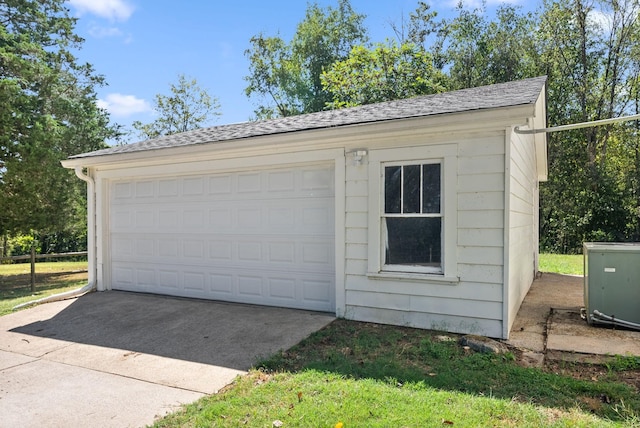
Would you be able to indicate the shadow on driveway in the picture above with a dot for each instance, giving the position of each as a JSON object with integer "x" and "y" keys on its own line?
{"x": 214, "y": 333}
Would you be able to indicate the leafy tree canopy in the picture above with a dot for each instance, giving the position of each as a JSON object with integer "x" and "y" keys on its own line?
{"x": 48, "y": 113}
{"x": 384, "y": 72}
{"x": 187, "y": 107}
{"x": 286, "y": 76}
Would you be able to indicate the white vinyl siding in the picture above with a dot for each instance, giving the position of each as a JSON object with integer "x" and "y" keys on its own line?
{"x": 468, "y": 296}
{"x": 523, "y": 218}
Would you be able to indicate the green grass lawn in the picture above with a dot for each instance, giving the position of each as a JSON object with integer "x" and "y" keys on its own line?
{"x": 372, "y": 375}
{"x": 570, "y": 264}
{"x": 51, "y": 278}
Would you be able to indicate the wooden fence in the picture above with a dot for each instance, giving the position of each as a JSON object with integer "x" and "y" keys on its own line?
{"x": 33, "y": 257}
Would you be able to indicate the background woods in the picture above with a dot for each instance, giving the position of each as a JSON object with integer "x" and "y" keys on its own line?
{"x": 589, "y": 49}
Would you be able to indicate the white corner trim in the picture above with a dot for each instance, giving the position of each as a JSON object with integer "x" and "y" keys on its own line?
{"x": 506, "y": 232}
{"x": 340, "y": 298}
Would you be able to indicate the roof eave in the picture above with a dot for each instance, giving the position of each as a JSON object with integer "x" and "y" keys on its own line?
{"x": 330, "y": 136}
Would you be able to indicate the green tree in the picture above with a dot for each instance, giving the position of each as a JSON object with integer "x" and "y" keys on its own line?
{"x": 391, "y": 70}
{"x": 48, "y": 113}
{"x": 287, "y": 76}
{"x": 384, "y": 72}
{"x": 275, "y": 77}
{"x": 188, "y": 107}
{"x": 478, "y": 51}
{"x": 587, "y": 50}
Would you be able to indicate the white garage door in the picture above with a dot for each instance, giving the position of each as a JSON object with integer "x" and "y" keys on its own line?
{"x": 263, "y": 237}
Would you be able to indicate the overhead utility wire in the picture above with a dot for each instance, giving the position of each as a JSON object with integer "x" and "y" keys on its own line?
{"x": 577, "y": 125}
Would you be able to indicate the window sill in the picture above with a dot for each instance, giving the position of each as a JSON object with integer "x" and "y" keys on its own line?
{"x": 414, "y": 277}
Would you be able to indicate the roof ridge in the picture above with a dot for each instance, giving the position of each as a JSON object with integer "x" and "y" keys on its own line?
{"x": 507, "y": 94}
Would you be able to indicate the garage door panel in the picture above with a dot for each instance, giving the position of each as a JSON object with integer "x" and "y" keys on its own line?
{"x": 221, "y": 249}
{"x": 169, "y": 278}
{"x": 221, "y": 285}
{"x": 308, "y": 216}
{"x": 123, "y": 246}
{"x": 301, "y": 253}
{"x": 220, "y": 185}
{"x": 263, "y": 237}
{"x": 122, "y": 191}
{"x": 145, "y": 278}
{"x": 295, "y": 289}
{"x": 193, "y": 249}
{"x": 249, "y": 286}
{"x": 194, "y": 219}
{"x": 195, "y": 281}
{"x": 168, "y": 249}
{"x": 316, "y": 290}
{"x": 193, "y": 186}
{"x": 121, "y": 219}
{"x": 168, "y": 188}
{"x": 282, "y": 288}
{"x": 123, "y": 276}
{"x": 281, "y": 181}
{"x": 145, "y": 247}
{"x": 311, "y": 181}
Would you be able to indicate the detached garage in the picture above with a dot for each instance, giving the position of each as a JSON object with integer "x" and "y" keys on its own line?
{"x": 419, "y": 212}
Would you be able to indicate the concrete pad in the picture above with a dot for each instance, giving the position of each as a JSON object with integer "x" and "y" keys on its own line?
{"x": 120, "y": 359}
{"x": 204, "y": 378}
{"x": 530, "y": 340}
{"x": 549, "y": 324}
{"x": 592, "y": 345}
{"x": 9, "y": 359}
{"x": 28, "y": 344}
{"x": 45, "y": 393}
{"x": 568, "y": 332}
{"x": 221, "y": 334}
{"x": 547, "y": 291}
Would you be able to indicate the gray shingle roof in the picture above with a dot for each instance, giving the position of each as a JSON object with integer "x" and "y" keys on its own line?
{"x": 511, "y": 94}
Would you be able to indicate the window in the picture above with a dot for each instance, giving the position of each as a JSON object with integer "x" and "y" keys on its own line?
{"x": 411, "y": 218}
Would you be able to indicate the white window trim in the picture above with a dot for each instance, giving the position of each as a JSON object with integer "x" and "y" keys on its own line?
{"x": 446, "y": 156}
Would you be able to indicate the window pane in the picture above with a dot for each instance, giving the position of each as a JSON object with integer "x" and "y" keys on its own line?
{"x": 413, "y": 241}
{"x": 431, "y": 188}
{"x": 392, "y": 183}
{"x": 411, "y": 189}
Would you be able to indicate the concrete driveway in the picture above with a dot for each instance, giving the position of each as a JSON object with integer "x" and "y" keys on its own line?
{"x": 118, "y": 359}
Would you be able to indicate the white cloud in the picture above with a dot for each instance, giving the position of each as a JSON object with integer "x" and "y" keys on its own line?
{"x": 124, "y": 105}
{"x": 101, "y": 32}
{"x": 117, "y": 10}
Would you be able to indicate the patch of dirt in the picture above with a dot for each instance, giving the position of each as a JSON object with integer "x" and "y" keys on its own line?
{"x": 594, "y": 370}
{"x": 595, "y": 373}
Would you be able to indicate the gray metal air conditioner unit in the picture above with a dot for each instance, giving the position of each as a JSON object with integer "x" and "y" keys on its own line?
{"x": 612, "y": 283}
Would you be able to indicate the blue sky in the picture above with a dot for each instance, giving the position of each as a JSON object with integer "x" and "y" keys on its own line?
{"x": 141, "y": 46}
